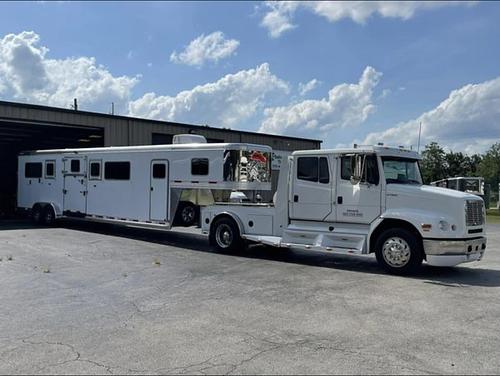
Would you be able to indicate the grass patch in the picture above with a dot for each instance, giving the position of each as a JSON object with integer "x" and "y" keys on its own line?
{"x": 493, "y": 216}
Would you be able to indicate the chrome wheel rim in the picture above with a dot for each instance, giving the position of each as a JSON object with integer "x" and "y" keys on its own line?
{"x": 224, "y": 236}
{"x": 187, "y": 214}
{"x": 396, "y": 252}
{"x": 49, "y": 217}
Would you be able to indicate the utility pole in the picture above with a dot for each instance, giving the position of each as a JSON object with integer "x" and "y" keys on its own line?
{"x": 112, "y": 108}
{"x": 75, "y": 104}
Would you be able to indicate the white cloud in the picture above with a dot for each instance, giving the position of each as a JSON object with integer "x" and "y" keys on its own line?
{"x": 468, "y": 120}
{"x": 26, "y": 73}
{"x": 346, "y": 105}
{"x": 309, "y": 86}
{"x": 279, "y": 16}
{"x": 212, "y": 47}
{"x": 130, "y": 55}
{"x": 385, "y": 93}
{"x": 226, "y": 102}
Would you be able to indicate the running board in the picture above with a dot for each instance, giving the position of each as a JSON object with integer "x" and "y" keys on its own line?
{"x": 276, "y": 241}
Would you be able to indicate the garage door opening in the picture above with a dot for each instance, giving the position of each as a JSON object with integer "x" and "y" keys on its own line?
{"x": 18, "y": 137}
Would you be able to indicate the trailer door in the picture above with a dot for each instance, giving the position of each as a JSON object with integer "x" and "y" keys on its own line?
{"x": 75, "y": 185}
{"x": 158, "y": 198}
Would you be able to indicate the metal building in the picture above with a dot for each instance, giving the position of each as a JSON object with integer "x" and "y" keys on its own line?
{"x": 29, "y": 127}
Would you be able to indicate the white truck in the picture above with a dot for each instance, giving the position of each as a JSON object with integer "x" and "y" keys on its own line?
{"x": 356, "y": 201}
{"x": 359, "y": 201}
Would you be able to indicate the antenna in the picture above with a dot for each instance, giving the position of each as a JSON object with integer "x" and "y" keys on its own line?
{"x": 419, "y": 133}
{"x": 75, "y": 104}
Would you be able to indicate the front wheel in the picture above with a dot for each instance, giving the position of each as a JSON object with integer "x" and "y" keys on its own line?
{"x": 225, "y": 235}
{"x": 399, "y": 251}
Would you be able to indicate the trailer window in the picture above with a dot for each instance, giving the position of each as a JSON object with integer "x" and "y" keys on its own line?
{"x": 95, "y": 170}
{"x": 117, "y": 170}
{"x": 75, "y": 165}
{"x": 159, "y": 171}
{"x": 199, "y": 166}
{"x": 307, "y": 169}
{"x": 33, "y": 170}
{"x": 50, "y": 169}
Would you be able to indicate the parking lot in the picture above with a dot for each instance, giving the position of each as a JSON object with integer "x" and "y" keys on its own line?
{"x": 88, "y": 298}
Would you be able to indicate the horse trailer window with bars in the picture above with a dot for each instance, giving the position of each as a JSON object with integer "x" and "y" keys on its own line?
{"x": 95, "y": 170}
{"x": 199, "y": 166}
{"x": 33, "y": 170}
{"x": 50, "y": 169}
{"x": 75, "y": 165}
{"x": 117, "y": 170}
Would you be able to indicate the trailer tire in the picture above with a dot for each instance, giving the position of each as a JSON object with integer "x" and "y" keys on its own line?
{"x": 36, "y": 214}
{"x": 187, "y": 214}
{"x": 225, "y": 235}
{"x": 48, "y": 216}
{"x": 399, "y": 251}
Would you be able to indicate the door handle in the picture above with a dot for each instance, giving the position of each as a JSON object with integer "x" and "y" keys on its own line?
{"x": 295, "y": 198}
{"x": 340, "y": 200}
{"x": 151, "y": 188}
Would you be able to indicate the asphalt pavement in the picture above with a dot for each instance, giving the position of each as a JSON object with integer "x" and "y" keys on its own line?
{"x": 92, "y": 298}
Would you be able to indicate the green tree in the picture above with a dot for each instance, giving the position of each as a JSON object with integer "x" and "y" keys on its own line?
{"x": 433, "y": 163}
{"x": 489, "y": 168}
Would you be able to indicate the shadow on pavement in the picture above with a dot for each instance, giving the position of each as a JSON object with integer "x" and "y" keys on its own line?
{"x": 459, "y": 276}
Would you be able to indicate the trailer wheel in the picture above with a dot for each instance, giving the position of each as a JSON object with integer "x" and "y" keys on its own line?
{"x": 36, "y": 214}
{"x": 225, "y": 235}
{"x": 399, "y": 251}
{"x": 187, "y": 214}
{"x": 48, "y": 216}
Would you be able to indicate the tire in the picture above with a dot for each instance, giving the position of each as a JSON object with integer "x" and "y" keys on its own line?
{"x": 225, "y": 235}
{"x": 399, "y": 251}
{"x": 48, "y": 216}
{"x": 187, "y": 214}
{"x": 36, "y": 214}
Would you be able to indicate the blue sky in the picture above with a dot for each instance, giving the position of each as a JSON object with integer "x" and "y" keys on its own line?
{"x": 379, "y": 69}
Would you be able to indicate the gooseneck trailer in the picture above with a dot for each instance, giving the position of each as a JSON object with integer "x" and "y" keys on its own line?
{"x": 359, "y": 201}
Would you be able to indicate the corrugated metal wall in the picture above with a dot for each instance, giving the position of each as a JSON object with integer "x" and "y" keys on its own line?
{"x": 120, "y": 130}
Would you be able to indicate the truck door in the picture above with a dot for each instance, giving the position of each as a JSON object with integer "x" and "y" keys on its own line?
{"x": 360, "y": 202}
{"x": 75, "y": 185}
{"x": 158, "y": 198}
{"x": 312, "y": 189}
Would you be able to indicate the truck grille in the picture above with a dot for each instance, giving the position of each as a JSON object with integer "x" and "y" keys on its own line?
{"x": 474, "y": 214}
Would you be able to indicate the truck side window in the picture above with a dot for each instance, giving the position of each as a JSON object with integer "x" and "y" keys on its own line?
{"x": 50, "y": 170}
{"x": 307, "y": 168}
{"x": 324, "y": 173}
{"x": 371, "y": 168}
{"x": 33, "y": 170}
{"x": 199, "y": 166}
{"x": 345, "y": 168}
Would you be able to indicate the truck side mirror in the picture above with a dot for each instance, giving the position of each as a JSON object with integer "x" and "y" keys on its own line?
{"x": 357, "y": 167}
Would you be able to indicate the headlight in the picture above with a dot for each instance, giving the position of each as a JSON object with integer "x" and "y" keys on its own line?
{"x": 444, "y": 226}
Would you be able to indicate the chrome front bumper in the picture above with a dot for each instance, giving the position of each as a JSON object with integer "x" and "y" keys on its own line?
{"x": 453, "y": 252}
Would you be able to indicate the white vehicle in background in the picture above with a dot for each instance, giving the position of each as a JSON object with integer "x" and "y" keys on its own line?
{"x": 357, "y": 201}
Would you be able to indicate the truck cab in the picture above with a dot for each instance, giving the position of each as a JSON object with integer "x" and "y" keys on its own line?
{"x": 361, "y": 200}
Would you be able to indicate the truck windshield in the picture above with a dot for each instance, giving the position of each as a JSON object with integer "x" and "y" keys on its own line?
{"x": 401, "y": 171}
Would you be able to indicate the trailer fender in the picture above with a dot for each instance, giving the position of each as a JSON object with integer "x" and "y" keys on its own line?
{"x": 55, "y": 207}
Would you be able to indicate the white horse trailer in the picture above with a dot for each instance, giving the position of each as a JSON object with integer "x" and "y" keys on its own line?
{"x": 137, "y": 184}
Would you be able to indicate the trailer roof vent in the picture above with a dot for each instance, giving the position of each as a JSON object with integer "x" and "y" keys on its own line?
{"x": 189, "y": 139}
